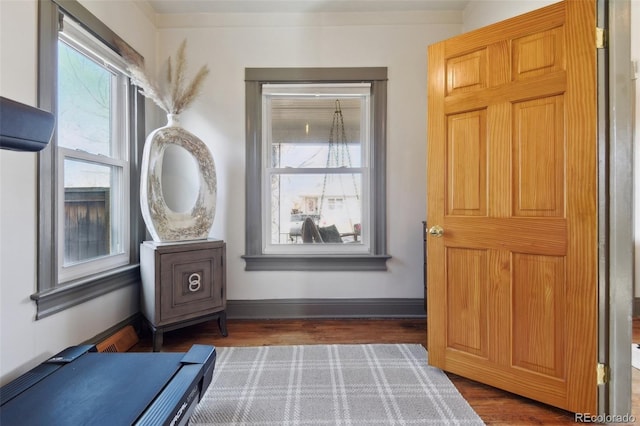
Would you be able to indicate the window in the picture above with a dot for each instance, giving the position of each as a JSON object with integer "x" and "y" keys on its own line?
{"x": 316, "y": 166}
{"x": 93, "y": 154}
{"x": 89, "y": 227}
{"x": 316, "y": 169}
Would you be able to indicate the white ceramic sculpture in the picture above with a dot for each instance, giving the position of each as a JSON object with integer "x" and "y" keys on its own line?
{"x": 163, "y": 223}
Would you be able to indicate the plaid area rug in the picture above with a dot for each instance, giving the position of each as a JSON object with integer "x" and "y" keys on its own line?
{"x": 382, "y": 384}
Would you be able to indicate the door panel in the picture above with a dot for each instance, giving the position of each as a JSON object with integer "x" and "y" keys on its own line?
{"x": 467, "y": 278}
{"x": 538, "y": 160}
{"x": 538, "y": 292}
{"x": 467, "y": 73}
{"x": 512, "y": 282}
{"x": 538, "y": 53}
{"x": 467, "y": 153}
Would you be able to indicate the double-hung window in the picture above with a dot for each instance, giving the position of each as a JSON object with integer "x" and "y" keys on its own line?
{"x": 89, "y": 219}
{"x": 315, "y": 169}
{"x": 93, "y": 155}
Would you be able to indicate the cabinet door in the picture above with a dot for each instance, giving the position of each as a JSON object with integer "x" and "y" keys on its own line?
{"x": 191, "y": 284}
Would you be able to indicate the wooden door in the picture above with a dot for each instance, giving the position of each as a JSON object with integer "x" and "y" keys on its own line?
{"x": 512, "y": 175}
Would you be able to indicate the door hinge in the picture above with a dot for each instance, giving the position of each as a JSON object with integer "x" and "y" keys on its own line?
{"x": 601, "y": 43}
{"x": 602, "y": 374}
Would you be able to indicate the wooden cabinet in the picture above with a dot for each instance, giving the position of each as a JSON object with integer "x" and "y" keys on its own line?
{"x": 183, "y": 283}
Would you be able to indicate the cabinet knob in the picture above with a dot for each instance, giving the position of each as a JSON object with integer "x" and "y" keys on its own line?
{"x": 194, "y": 282}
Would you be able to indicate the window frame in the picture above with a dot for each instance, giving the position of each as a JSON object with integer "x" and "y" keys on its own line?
{"x": 52, "y": 296}
{"x": 255, "y": 257}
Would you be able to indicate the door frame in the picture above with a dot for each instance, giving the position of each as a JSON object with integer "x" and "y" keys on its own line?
{"x": 616, "y": 259}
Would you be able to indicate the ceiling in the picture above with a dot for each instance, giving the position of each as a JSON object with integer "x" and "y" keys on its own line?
{"x": 301, "y": 6}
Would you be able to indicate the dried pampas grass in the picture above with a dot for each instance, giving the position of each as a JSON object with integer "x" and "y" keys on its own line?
{"x": 174, "y": 96}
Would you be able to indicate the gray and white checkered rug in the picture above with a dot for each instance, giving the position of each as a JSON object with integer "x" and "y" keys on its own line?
{"x": 381, "y": 384}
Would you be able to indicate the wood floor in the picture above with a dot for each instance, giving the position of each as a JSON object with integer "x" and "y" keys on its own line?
{"x": 494, "y": 406}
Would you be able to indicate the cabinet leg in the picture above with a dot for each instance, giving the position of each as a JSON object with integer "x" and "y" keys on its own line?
{"x": 157, "y": 340}
{"x": 222, "y": 323}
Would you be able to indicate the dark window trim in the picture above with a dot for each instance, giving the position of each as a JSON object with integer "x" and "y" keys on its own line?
{"x": 254, "y": 258}
{"x": 60, "y": 298}
{"x": 51, "y": 298}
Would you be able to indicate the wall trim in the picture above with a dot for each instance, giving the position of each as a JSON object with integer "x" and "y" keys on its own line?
{"x": 325, "y": 308}
{"x": 63, "y": 297}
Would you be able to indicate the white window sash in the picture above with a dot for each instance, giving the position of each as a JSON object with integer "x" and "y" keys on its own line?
{"x": 359, "y": 90}
{"x": 314, "y": 90}
{"x": 119, "y": 213}
{"x": 85, "y": 44}
{"x": 79, "y": 39}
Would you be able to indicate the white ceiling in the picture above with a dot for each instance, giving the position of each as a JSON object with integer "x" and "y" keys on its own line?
{"x": 301, "y": 6}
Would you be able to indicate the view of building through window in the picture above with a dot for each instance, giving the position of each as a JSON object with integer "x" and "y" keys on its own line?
{"x": 317, "y": 165}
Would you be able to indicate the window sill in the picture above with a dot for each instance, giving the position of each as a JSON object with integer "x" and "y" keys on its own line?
{"x": 316, "y": 262}
{"x": 73, "y": 293}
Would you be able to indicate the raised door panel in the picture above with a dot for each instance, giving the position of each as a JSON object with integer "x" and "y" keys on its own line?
{"x": 467, "y": 72}
{"x": 538, "y": 53}
{"x": 539, "y": 157}
{"x": 539, "y": 298}
{"x": 467, "y": 285}
{"x": 467, "y": 164}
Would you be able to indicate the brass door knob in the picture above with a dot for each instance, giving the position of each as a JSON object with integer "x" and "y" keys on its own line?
{"x": 436, "y": 231}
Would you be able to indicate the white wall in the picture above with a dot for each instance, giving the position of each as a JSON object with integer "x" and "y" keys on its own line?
{"x": 480, "y": 13}
{"x": 230, "y": 43}
{"x": 25, "y": 342}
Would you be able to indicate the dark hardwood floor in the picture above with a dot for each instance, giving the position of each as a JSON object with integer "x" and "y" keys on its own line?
{"x": 494, "y": 406}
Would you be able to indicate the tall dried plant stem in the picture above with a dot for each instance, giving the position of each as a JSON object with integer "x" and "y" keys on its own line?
{"x": 175, "y": 96}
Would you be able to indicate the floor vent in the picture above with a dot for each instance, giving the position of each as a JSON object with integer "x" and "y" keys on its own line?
{"x": 121, "y": 341}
